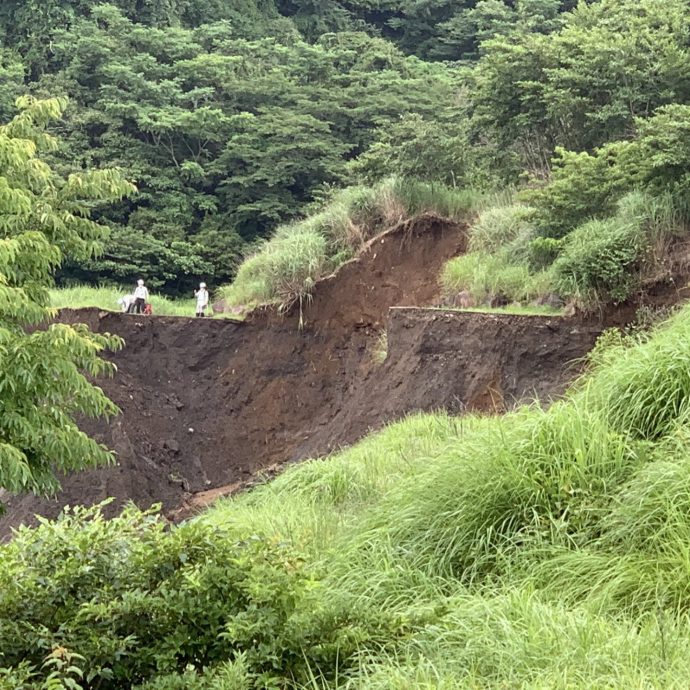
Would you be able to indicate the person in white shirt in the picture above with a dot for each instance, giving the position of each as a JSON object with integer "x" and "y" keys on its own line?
{"x": 201, "y": 299}
{"x": 141, "y": 297}
{"x": 126, "y": 303}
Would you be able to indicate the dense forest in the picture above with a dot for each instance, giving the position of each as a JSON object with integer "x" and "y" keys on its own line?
{"x": 234, "y": 117}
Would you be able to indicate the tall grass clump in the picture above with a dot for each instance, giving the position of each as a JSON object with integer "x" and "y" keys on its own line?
{"x": 663, "y": 216}
{"x": 489, "y": 276}
{"x": 426, "y": 197}
{"x": 500, "y": 226}
{"x": 535, "y": 475}
{"x": 646, "y": 390}
{"x": 500, "y": 265}
{"x": 606, "y": 260}
{"x": 284, "y": 269}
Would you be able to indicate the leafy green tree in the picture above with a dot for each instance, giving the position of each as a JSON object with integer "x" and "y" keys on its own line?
{"x": 584, "y": 185}
{"x": 611, "y": 62}
{"x": 230, "y": 123}
{"x": 11, "y": 83}
{"x": 129, "y": 254}
{"x": 43, "y": 383}
{"x": 220, "y": 131}
{"x": 664, "y": 150}
{"x": 431, "y": 150}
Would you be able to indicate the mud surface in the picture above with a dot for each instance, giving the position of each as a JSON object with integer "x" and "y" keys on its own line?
{"x": 462, "y": 361}
{"x": 206, "y": 404}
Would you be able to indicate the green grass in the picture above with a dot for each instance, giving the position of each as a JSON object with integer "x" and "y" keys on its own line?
{"x": 602, "y": 260}
{"x": 284, "y": 270}
{"x": 485, "y": 276}
{"x": 105, "y": 298}
{"x": 500, "y": 226}
{"x": 606, "y": 260}
{"x": 544, "y": 549}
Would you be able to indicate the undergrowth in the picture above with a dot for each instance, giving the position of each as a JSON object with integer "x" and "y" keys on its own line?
{"x": 543, "y": 549}
{"x": 284, "y": 269}
{"x": 604, "y": 259}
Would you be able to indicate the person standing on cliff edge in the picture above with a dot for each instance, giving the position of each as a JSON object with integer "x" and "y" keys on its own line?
{"x": 141, "y": 297}
{"x": 201, "y": 300}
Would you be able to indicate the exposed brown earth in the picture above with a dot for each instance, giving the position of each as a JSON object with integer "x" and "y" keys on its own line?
{"x": 207, "y": 404}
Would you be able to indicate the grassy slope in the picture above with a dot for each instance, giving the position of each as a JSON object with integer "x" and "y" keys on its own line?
{"x": 509, "y": 257}
{"x": 284, "y": 269}
{"x": 599, "y": 261}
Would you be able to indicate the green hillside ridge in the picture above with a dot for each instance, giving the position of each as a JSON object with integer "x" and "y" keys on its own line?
{"x": 542, "y": 549}
{"x": 511, "y": 258}
{"x": 235, "y": 118}
{"x": 284, "y": 269}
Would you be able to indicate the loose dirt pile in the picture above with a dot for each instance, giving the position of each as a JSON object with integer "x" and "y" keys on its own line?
{"x": 206, "y": 404}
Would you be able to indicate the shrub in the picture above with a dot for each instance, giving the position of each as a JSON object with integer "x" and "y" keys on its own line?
{"x": 583, "y": 186}
{"x": 543, "y": 251}
{"x": 230, "y": 675}
{"x": 601, "y": 260}
{"x": 135, "y": 600}
{"x": 500, "y": 226}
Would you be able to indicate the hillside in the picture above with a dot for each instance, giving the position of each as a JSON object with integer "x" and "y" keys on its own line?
{"x": 234, "y": 118}
{"x": 434, "y": 431}
{"x": 208, "y": 405}
{"x": 539, "y": 549}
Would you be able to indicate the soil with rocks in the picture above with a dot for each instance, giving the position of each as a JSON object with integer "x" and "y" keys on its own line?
{"x": 208, "y": 405}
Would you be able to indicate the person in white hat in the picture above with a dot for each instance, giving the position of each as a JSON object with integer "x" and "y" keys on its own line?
{"x": 201, "y": 300}
{"x": 141, "y": 297}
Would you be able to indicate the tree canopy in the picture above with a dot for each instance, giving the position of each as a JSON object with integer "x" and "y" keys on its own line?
{"x": 43, "y": 384}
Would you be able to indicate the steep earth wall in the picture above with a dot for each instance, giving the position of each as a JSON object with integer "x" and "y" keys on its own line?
{"x": 206, "y": 404}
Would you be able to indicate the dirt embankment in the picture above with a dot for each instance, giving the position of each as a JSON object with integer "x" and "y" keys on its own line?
{"x": 461, "y": 361}
{"x": 207, "y": 403}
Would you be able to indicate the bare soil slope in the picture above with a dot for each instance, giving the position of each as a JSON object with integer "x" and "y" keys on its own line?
{"x": 207, "y": 403}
